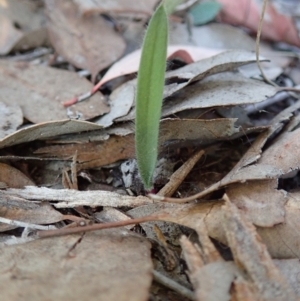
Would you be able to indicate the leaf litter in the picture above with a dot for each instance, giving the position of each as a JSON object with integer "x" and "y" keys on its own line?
{"x": 213, "y": 149}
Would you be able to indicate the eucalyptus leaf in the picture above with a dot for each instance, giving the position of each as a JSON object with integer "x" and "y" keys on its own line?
{"x": 205, "y": 12}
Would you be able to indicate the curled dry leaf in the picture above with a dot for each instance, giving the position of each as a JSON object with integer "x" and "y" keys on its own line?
{"x": 22, "y": 25}
{"x": 13, "y": 178}
{"x": 260, "y": 201}
{"x": 87, "y": 42}
{"x": 11, "y": 117}
{"x": 72, "y": 264}
{"x": 22, "y": 210}
{"x": 186, "y": 75}
{"x": 40, "y": 90}
{"x": 276, "y": 27}
{"x": 222, "y": 89}
{"x": 130, "y": 63}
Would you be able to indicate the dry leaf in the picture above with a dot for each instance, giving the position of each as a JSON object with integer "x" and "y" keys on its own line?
{"x": 222, "y": 36}
{"x": 13, "y": 178}
{"x": 11, "y": 117}
{"x": 22, "y": 25}
{"x": 290, "y": 270}
{"x": 251, "y": 255}
{"x": 130, "y": 63}
{"x": 283, "y": 240}
{"x": 260, "y": 201}
{"x": 100, "y": 153}
{"x": 46, "y": 130}
{"x": 93, "y": 154}
{"x": 40, "y": 90}
{"x": 87, "y": 42}
{"x": 197, "y": 71}
{"x": 116, "y": 6}
{"x": 19, "y": 209}
{"x": 284, "y": 153}
{"x": 69, "y": 198}
{"x": 110, "y": 265}
{"x": 222, "y": 89}
{"x": 276, "y": 27}
{"x": 211, "y": 280}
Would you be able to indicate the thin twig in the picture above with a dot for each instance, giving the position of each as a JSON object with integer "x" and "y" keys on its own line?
{"x": 260, "y": 24}
{"x": 66, "y": 231}
{"x": 173, "y": 285}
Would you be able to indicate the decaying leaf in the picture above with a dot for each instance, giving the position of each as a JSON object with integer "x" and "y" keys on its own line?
{"x": 22, "y": 26}
{"x": 86, "y": 42}
{"x": 109, "y": 265}
{"x": 40, "y": 90}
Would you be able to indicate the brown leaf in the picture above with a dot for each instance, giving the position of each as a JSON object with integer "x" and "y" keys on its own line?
{"x": 46, "y": 130}
{"x": 211, "y": 281}
{"x": 94, "y": 154}
{"x": 13, "y": 178}
{"x": 19, "y": 209}
{"x": 40, "y": 90}
{"x": 260, "y": 201}
{"x": 110, "y": 265}
{"x": 283, "y": 240}
{"x": 251, "y": 255}
{"x": 86, "y": 42}
{"x": 22, "y": 25}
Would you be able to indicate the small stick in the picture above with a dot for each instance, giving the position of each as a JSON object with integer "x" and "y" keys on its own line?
{"x": 258, "y": 41}
{"x": 66, "y": 231}
{"x": 173, "y": 285}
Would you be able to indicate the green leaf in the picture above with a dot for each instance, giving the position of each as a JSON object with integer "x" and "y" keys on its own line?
{"x": 205, "y": 12}
{"x": 150, "y": 84}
